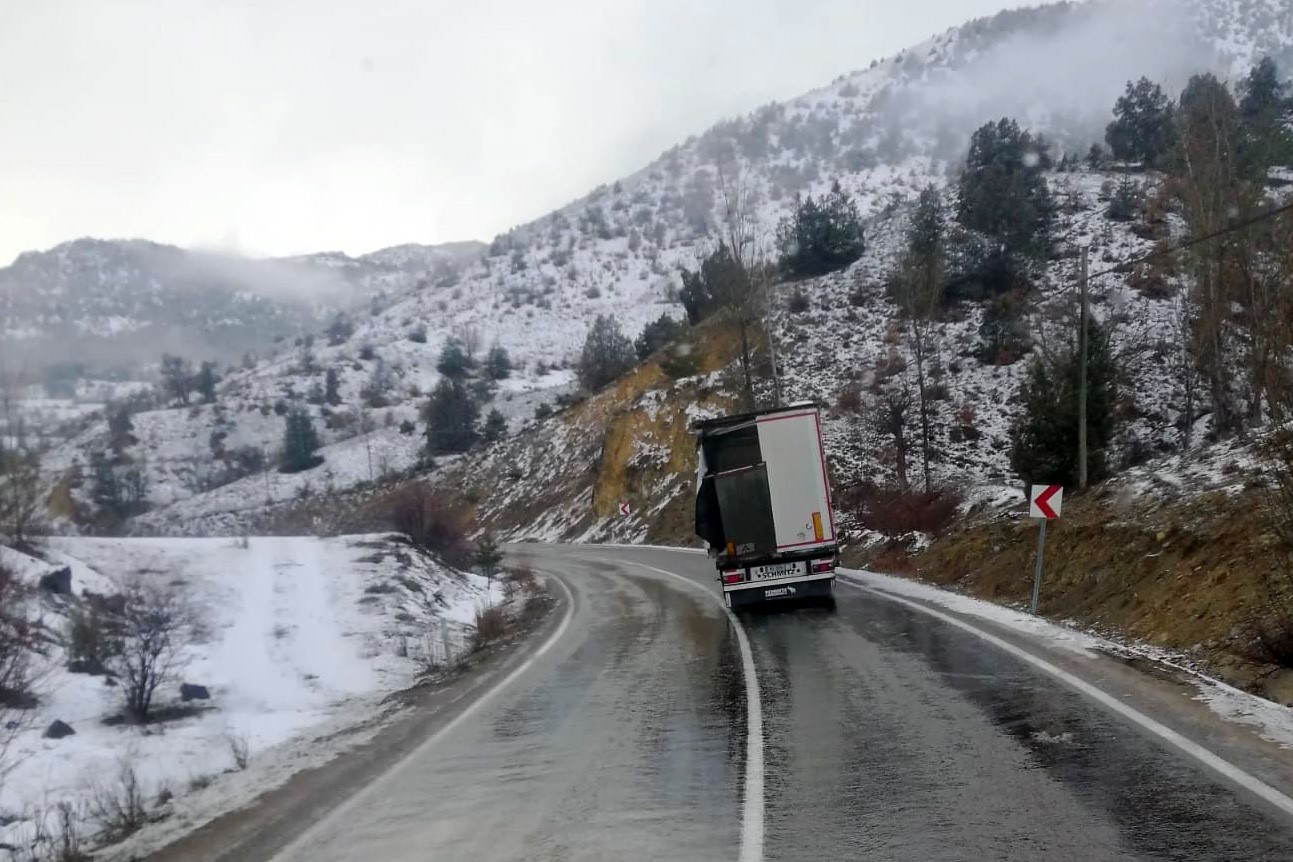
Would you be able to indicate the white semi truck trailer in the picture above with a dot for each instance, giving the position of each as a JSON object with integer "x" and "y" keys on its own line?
{"x": 763, "y": 505}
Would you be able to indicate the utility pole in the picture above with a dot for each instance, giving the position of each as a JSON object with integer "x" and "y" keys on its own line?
{"x": 1082, "y": 375}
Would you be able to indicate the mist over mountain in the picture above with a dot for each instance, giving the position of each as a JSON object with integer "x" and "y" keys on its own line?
{"x": 119, "y": 304}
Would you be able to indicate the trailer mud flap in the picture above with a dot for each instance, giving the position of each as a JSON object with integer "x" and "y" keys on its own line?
{"x": 818, "y": 589}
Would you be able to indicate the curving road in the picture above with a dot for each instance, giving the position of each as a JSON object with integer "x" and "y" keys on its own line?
{"x": 876, "y": 731}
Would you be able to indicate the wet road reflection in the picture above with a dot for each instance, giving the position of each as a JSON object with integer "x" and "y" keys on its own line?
{"x": 894, "y": 736}
{"x": 627, "y": 747}
{"x": 889, "y": 735}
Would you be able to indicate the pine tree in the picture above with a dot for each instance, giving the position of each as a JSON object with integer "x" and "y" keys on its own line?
{"x": 1045, "y": 438}
{"x": 1003, "y": 194}
{"x": 205, "y": 382}
{"x": 656, "y": 335}
{"x": 300, "y": 443}
{"x": 453, "y": 361}
{"x": 488, "y": 557}
{"x": 498, "y": 365}
{"x": 177, "y": 378}
{"x": 607, "y": 354}
{"x": 120, "y": 430}
{"x": 1143, "y": 129}
{"x": 451, "y": 417}
{"x": 495, "y": 427}
{"x": 705, "y": 291}
{"x": 332, "y": 387}
{"x": 1125, "y": 201}
{"x": 1267, "y": 110}
{"x": 1095, "y": 157}
{"x": 821, "y": 236}
{"x": 340, "y": 330}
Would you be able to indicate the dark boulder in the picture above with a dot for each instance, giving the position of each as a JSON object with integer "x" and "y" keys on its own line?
{"x": 58, "y": 730}
{"x": 58, "y": 582}
{"x": 189, "y": 691}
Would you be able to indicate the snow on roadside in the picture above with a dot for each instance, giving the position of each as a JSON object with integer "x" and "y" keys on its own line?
{"x": 300, "y": 635}
{"x": 1055, "y": 635}
{"x": 1272, "y": 721}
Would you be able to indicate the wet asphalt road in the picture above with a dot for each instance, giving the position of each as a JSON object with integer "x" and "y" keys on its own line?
{"x": 888, "y": 735}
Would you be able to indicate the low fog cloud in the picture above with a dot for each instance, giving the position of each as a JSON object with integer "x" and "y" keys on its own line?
{"x": 1063, "y": 81}
{"x": 302, "y": 125}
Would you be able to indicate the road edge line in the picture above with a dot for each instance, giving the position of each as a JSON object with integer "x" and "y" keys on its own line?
{"x": 367, "y": 790}
{"x": 1216, "y": 763}
{"x": 752, "y": 813}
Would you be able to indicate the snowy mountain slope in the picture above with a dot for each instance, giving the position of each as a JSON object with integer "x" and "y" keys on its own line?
{"x": 296, "y": 635}
{"x": 883, "y": 133}
{"x": 565, "y": 478}
{"x": 114, "y": 303}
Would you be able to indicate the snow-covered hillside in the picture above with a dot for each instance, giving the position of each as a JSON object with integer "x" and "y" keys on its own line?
{"x": 883, "y": 133}
{"x": 632, "y": 441}
{"x": 112, "y": 304}
{"x": 291, "y": 635}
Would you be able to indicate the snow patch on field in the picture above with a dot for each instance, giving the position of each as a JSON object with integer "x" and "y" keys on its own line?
{"x": 298, "y": 636}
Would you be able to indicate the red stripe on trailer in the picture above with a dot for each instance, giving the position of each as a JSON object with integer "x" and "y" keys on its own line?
{"x": 779, "y": 417}
{"x": 821, "y": 451}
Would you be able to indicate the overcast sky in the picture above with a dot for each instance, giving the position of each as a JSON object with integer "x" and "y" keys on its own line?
{"x": 287, "y": 126}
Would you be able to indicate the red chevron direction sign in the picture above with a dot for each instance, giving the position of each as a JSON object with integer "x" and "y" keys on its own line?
{"x": 1045, "y": 501}
{"x": 624, "y": 508}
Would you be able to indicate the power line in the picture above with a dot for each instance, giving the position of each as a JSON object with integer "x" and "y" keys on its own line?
{"x": 1199, "y": 240}
{"x": 1184, "y": 245}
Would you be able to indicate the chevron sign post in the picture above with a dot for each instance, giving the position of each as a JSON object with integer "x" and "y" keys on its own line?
{"x": 1044, "y": 504}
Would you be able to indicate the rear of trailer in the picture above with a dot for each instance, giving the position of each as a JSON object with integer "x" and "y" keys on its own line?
{"x": 763, "y": 505}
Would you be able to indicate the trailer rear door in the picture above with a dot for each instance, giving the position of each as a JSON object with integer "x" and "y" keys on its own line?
{"x": 791, "y": 446}
{"x": 746, "y": 510}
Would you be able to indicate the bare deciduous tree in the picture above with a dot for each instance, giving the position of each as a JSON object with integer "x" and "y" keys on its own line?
{"x": 1187, "y": 367}
{"x": 1273, "y": 629}
{"x": 119, "y": 806}
{"x": 889, "y": 416}
{"x": 17, "y": 649}
{"x": 21, "y": 500}
{"x": 746, "y": 296}
{"x": 471, "y": 342}
{"x": 1214, "y": 190}
{"x": 918, "y": 286}
{"x": 155, "y": 627}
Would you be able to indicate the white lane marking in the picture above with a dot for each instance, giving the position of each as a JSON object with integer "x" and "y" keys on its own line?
{"x": 369, "y": 789}
{"x": 752, "y": 798}
{"x": 1248, "y": 782}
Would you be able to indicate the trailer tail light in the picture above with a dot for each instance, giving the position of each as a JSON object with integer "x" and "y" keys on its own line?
{"x": 823, "y": 566}
{"x": 733, "y": 577}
